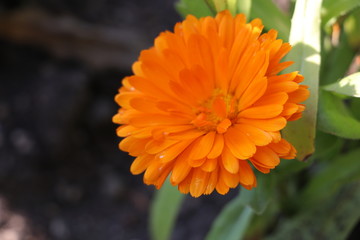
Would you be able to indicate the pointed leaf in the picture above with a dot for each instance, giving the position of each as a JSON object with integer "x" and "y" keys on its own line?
{"x": 164, "y": 210}
{"x": 232, "y": 222}
{"x": 305, "y": 37}
{"x": 349, "y": 86}
{"x": 335, "y": 118}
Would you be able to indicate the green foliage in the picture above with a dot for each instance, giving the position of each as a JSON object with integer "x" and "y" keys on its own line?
{"x": 349, "y": 86}
{"x": 334, "y": 9}
{"x": 330, "y": 178}
{"x": 352, "y": 28}
{"x": 259, "y": 198}
{"x": 335, "y": 118}
{"x": 232, "y": 223}
{"x": 332, "y": 219}
{"x": 271, "y": 16}
{"x": 196, "y": 8}
{"x": 305, "y": 37}
{"x": 164, "y": 210}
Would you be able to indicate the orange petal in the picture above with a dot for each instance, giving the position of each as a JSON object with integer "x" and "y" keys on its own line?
{"x": 213, "y": 179}
{"x": 125, "y": 130}
{"x": 154, "y": 171}
{"x": 282, "y": 147}
{"x": 289, "y": 109}
{"x": 184, "y": 186}
{"x": 146, "y": 120}
{"x": 246, "y": 174}
{"x": 172, "y": 152}
{"x": 202, "y": 146}
{"x": 210, "y": 165}
{"x": 274, "y": 124}
{"x": 141, "y": 163}
{"x": 256, "y": 135}
{"x": 282, "y": 87}
{"x": 262, "y": 112}
{"x": 221, "y": 187}
{"x": 266, "y": 157}
{"x": 231, "y": 180}
{"x": 239, "y": 144}
{"x": 299, "y": 95}
{"x": 199, "y": 182}
{"x": 196, "y": 162}
{"x": 229, "y": 161}
{"x": 274, "y": 98}
{"x": 156, "y": 146}
{"x": 180, "y": 171}
{"x": 217, "y": 146}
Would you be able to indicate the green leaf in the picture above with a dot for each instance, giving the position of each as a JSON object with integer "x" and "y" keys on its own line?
{"x": 305, "y": 37}
{"x": 333, "y": 175}
{"x": 332, "y": 219}
{"x": 164, "y": 210}
{"x": 331, "y": 69}
{"x": 232, "y": 222}
{"x": 220, "y": 5}
{"x": 332, "y": 9}
{"x": 271, "y": 16}
{"x": 244, "y": 6}
{"x": 355, "y": 106}
{"x": 349, "y": 86}
{"x": 198, "y": 8}
{"x": 232, "y": 6}
{"x": 327, "y": 146}
{"x": 335, "y": 118}
{"x": 258, "y": 198}
{"x": 352, "y": 28}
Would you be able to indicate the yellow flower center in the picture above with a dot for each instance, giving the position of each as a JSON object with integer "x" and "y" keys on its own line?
{"x": 218, "y": 112}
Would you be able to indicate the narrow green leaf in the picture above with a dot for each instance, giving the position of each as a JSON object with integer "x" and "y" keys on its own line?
{"x": 232, "y": 6}
{"x": 198, "y": 8}
{"x": 305, "y": 37}
{"x": 259, "y": 198}
{"x": 220, "y": 5}
{"x": 332, "y": 219}
{"x": 332, "y": 176}
{"x": 271, "y": 16}
{"x": 164, "y": 210}
{"x": 335, "y": 118}
{"x": 333, "y": 9}
{"x": 349, "y": 86}
{"x": 244, "y": 6}
{"x": 232, "y": 222}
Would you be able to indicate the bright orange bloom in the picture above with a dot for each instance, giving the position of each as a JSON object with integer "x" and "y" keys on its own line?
{"x": 207, "y": 102}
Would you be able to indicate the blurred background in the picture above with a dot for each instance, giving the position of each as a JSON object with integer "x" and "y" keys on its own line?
{"x": 62, "y": 175}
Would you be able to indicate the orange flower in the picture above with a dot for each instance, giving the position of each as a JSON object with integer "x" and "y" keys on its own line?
{"x": 206, "y": 101}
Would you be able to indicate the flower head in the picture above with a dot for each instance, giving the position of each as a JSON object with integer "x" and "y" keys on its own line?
{"x": 206, "y": 104}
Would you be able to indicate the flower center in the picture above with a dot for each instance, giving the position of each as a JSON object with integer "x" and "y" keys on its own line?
{"x": 218, "y": 112}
